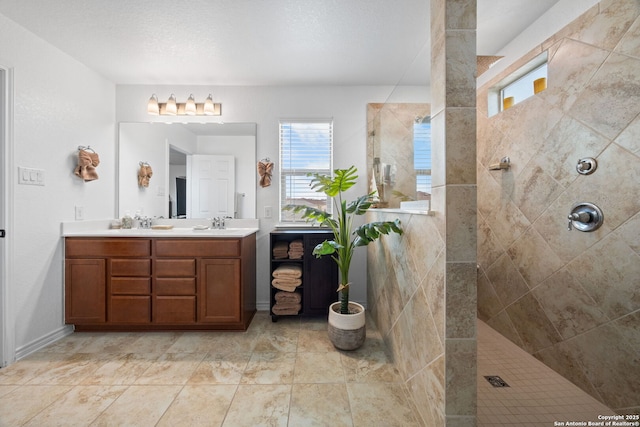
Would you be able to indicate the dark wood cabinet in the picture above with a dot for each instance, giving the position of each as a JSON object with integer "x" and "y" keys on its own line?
{"x": 160, "y": 283}
{"x": 221, "y": 300}
{"x": 319, "y": 275}
{"x": 85, "y": 284}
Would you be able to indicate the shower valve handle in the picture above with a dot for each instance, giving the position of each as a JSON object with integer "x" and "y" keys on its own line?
{"x": 585, "y": 217}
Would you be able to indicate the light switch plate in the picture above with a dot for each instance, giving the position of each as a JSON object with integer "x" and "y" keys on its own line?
{"x": 30, "y": 176}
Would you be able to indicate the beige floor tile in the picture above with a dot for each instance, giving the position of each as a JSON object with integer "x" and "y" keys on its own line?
{"x": 200, "y": 405}
{"x": 318, "y": 323}
{"x": 220, "y": 369}
{"x": 259, "y": 405}
{"x": 4, "y": 389}
{"x": 22, "y": 404}
{"x": 380, "y": 404}
{"x": 78, "y": 407}
{"x": 122, "y": 369}
{"x": 285, "y": 341}
{"x": 110, "y": 342}
{"x": 194, "y": 342}
{"x": 72, "y": 343}
{"x": 372, "y": 367}
{"x": 151, "y": 342}
{"x": 269, "y": 368}
{"x": 318, "y": 405}
{"x": 71, "y": 370}
{"x": 314, "y": 341}
{"x": 30, "y": 368}
{"x": 171, "y": 368}
{"x": 318, "y": 368}
{"x": 139, "y": 406}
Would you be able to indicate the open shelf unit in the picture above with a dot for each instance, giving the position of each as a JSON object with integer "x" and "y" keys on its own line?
{"x": 319, "y": 275}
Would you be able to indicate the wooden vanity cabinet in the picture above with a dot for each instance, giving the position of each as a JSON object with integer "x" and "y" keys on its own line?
{"x": 85, "y": 285}
{"x": 160, "y": 283}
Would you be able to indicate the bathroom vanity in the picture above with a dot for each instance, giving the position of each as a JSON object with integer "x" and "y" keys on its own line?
{"x": 123, "y": 280}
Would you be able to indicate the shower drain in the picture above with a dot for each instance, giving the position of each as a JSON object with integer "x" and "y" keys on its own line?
{"x": 496, "y": 381}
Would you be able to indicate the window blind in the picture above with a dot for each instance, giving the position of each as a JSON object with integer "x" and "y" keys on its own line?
{"x": 422, "y": 156}
{"x": 305, "y": 147}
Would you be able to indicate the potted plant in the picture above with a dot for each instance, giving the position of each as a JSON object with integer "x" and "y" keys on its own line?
{"x": 346, "y": 318}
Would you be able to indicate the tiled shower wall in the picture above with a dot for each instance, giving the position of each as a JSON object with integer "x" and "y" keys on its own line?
{"x": 422, "y": 285}
{"x": 572, "y": 299}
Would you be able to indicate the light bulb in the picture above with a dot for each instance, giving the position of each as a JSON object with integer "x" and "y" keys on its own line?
{"x": 171, "y": 107}
{"x": 152, "y": 105}
{"x": 190, "y": 107}
{"x": 209, "y": 108}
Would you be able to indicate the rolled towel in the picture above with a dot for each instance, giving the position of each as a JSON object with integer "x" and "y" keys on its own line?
{"x": 285, "y": 287}
{"x": 284, "y": 311}
{"x": 297, "y": 244}
{"x": 289, "y": 281}
{"x": 280, "y": 250}
{"x": 293, "y": 254}
{"x": 288, "y": 271}
{"x": 286, "y": 303}
{"x": 288, "y": 297}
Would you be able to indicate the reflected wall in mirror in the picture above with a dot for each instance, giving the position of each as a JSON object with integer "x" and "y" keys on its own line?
{"x": 399, "y": 152}
{"x": 169, "y": 149}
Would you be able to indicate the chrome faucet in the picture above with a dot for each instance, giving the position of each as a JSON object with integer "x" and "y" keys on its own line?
{"x": 217, "y": 223}
{"x": 144, "y": 222}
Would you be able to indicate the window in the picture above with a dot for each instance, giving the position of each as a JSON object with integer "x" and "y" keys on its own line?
{"x": 522, "y": 88}
{"x": 523, "y": 83}
{"x": 422, "y": 158}
{"x": 306, "y": 146}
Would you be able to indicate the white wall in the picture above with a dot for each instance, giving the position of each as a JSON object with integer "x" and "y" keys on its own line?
{"x": 58, "y": 105}
{"x": 266, "y": 106}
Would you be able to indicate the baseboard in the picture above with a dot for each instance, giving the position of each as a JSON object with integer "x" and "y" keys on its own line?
{"x": 263, "y": 306}
{"x": 42, "y": 342}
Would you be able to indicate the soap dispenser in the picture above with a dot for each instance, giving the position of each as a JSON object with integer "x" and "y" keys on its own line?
{"x": 127, "y": 221}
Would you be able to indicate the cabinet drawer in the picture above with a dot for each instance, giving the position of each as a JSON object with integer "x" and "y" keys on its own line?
{"x": 174, "y": 309}
{"x": 130, "y": 267}
{"x": 130, "y": 309}
{"x": 131, "y": 286}
{"x": 198, "y": 247}
{"x": 175, "y": 267}
{"x": 179, "y": 286}
{"x": 80, "y": 247}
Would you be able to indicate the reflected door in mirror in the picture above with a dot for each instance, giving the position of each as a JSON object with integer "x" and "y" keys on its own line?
{"x": 212, "y": 179}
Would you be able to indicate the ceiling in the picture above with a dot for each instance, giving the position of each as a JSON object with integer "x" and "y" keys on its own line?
{"x": 258, "y": 42}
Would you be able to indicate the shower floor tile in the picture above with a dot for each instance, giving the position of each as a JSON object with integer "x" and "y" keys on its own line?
{"x": 536, "y": 396}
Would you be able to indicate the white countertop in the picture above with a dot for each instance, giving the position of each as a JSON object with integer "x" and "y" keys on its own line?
{"x": 182, "y": 228}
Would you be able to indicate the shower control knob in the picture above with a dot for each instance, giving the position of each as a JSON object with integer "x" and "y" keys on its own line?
{"x": 585, "y": 217}
{"x": 586, "y": 166}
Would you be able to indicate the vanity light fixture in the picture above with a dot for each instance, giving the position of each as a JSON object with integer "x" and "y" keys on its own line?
{"x": 188, "y": 108}
{"x": 152, "y": 105}
{"x": 209, "y": 106}
{"x": 171, "y": 108}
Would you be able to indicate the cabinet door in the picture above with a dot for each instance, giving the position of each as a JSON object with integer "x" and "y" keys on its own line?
{"x": 85, "y": 291}
{"x": 219, "y": 291}
{"x": 319, "y": 278}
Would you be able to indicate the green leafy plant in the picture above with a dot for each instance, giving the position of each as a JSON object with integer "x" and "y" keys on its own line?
{"x": 345, "y": 237}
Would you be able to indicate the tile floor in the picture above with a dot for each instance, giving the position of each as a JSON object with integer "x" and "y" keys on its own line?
{"x": 275, "y": 374}
{"x": 536, "y": 396}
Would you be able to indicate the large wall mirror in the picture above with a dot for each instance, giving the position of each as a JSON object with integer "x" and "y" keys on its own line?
{"x": 399, "y": 153}
{"x": 177, "y": 155}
